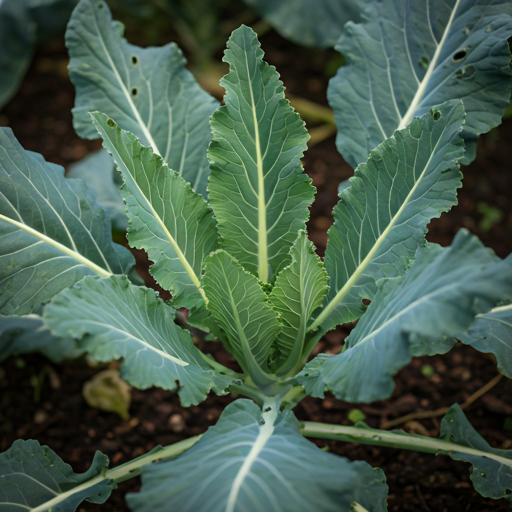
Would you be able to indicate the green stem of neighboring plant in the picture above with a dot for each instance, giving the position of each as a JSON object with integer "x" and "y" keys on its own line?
{"x": 367, "y": 435}
{"x": 121, "y": 473}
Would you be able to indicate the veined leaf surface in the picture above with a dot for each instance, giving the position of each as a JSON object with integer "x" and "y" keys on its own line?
{"x": 299, "y": 289}
{"x": 52, "y": 231}
{"x": 27, "y": 333}
{"x": 147, "y": 91}
{"x": 412, "y": 55}
{"x": 381, "y": 218}
{"x": 118, "y": 320}
{"x": 239, "y": 305}
{"x": 252, "y": 461}
{"x": 33, "y": 477}
{"x": 257, "y": 187}
{"x": 318, "y": 23}
{"x": 492, "y": 332}
{"x": 440, "y": 295}
{"x": 167, "y": 218}
{"x": 99, "y": 173}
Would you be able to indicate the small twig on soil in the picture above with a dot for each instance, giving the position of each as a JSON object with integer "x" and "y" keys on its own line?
{"x": 422, "y": 499}
{"x": 443, "y": 410}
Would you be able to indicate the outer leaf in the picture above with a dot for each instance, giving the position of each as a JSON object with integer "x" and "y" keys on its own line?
{"x": 257, "y": 188}
{"x": 318, "y": 23}
{"x": 33, "y": 476}
{"x": 98, "y": 171}
{"x": 167, "y": 218}
{"x": 52, "y": 231}
{"x": 381, "y": 217}
{"x": 20, "y": 334}
{"x": 440, "y": 295}
{"x": 410, "y": 56}
{"x": 492, "y": 474}
{"x": 123, "y": 320}
{"x": 156, "y": 98}
{"x": 239, "y": 305}
{"x": 492, "y": 332}
{"x": 299, "y": 289}
{"x": 250, "y": 462}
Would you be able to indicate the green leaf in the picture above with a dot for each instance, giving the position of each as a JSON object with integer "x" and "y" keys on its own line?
{"x": 166, "y": 217}
{"x": 440, "y": 295}
{"x": 240, "y": 307}
{"x": 318, "y": 23}
{"x": 492, "y": 470}
{"x": 410, "y": 56}
{"x": 251, "y": 461}
{"x": 33, "y": 477}
{"x": 52, "y": 231}
{"x": 156, "y": 98}
{"x": 121, "y": 320}
{"x": 22, "y": 334}
{"x": 257, "y": 187}
{"x": 492, "y": 332}
{"x": 381, "y": 217}
{"x": 299, "y": 289}
{"x": 98, "y": 171}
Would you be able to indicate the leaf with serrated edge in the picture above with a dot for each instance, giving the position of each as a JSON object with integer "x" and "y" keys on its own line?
{"x": 34, "y": 478}
{"x": 156, "y": 98}
{"x": 492, "y": 332}
{"x": 440, "y": 295}
{"x": 410, "y": 56}
{"x": 166, "y": 217}
{"x": 257, "y": 187}
{"x": 299, "y": 289}
{"x": 381, "y": 217}
{"x": 240, "y": 307}
{"x": 252, "y": 461}
{"x": 52, "y": 231}
{"x": 118, "y": 320}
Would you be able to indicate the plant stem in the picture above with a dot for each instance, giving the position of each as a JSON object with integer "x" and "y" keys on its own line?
{"x": 121, "y": 473}
{"x": 394, "y": 439}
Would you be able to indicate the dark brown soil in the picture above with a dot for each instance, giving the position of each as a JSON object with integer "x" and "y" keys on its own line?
{"x": 40, "y": 117}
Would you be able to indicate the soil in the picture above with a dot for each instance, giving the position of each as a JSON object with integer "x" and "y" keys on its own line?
{"x": 56, "y": 414}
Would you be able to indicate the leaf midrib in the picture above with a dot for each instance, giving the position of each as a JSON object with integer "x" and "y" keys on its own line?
{"x": 66, "y": 250}
{"x": 420, "y": 92}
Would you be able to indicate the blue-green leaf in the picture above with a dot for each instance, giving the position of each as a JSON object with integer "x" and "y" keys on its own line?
{"x": 317, "y": 23}
{"x": 22, "y": 334}
{"x": 52, "y": 231}
{"x": 440, "y": 295}
{"x": 380, "y": 220}
{"x": 240, "y": 307}
{"x": 147, "y": 91}
{"x": 98, "y": 171}
{"x": 166, "y": 217}
{"x": 299, "y": 289}
{"x": 257, "y": 186}
{"x": 253, "y": 462}
{"x": 33, "y": 477}
{"x": 492, "y": 332}
{"x": 120, "y": 320}
{"x": 410, "y": 56}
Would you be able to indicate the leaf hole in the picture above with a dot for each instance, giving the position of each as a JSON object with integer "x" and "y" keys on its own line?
{"x": 135, "y": 60}
{"x": 135, "y": 91}
{"x": 424, "y": 62}
{"x": 100, "y": 5}
{"x": 268, "y": 409}
{"x": 111, "y": 123}
{"x": 460, "y": 55}
{"x": 436, "y": 115}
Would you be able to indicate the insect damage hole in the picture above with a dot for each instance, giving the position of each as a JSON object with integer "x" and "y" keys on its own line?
{"x": 135, "y": 91}
{"x": 460, "y": 55}
{"x": 135, "y": 60}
